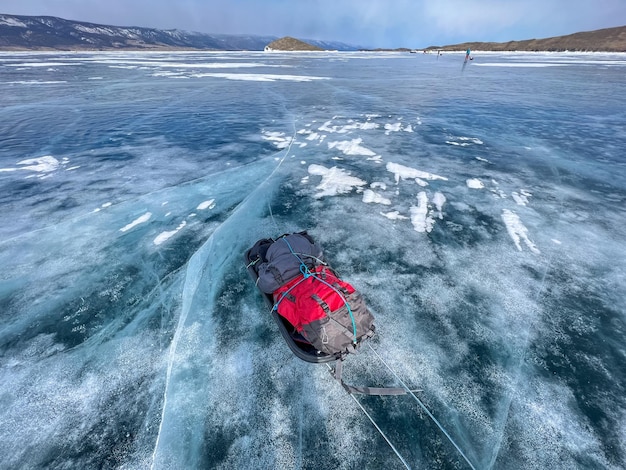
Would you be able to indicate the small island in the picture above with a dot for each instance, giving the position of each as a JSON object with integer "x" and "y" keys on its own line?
{"x": 290, "y": 44}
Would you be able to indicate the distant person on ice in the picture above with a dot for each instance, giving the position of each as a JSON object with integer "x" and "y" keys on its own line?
{"x": 467, "y": 54}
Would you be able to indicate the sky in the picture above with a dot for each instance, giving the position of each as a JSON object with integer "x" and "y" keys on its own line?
{"x": 367, "y": 23}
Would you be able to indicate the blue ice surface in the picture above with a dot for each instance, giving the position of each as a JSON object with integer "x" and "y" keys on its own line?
{"x": 479, "y": 209}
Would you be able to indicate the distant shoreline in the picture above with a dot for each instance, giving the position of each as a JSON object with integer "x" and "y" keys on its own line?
{"x": 46, "y": 33}
{"x": 419, "y": 52}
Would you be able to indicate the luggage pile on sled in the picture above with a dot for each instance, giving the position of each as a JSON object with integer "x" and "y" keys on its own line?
{"x": 321, "y": 317}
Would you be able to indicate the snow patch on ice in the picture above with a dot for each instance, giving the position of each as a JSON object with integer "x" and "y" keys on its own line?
{"x": 521, "y": 198}
{"x": 395, "y": 127}
{"x": 356, "y": 125}
{"x": 509, "y": 64}
{"x": 517, "y": 231}
{"x": 405, "y": 172}
{"x": 343, "y": 129}
{"x": 351, "y": 147}
{"x": 257, "y": 77}
{"x": 210, "y": 204}
{"x": 139, "y": 220}
{"x": 334, "y": 181}
{"x": 164, "y": 236}
{"x": 464, "y": 141}
{"x": 439, "y": 200}
{"x": 103, "y": 206}
{"x": 370, "y": 196}
{"x": 45, "y": 164}
{"x": 521, "y": 201}
{"x": 393, "y": 215}
{"x": 368, "y": 126}
{"x": 277, "y": 138}
{"x": 474, "y": 183}
{"x": 326, "y": 127}
{"x": 420, "y": 219}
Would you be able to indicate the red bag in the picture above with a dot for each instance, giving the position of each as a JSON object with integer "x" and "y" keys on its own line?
{"x": 327, "y": 311}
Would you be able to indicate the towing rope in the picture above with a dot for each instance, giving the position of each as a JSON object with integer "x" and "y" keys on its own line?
{"x": 377, "y": 427}
{"x": 421, "y": 404}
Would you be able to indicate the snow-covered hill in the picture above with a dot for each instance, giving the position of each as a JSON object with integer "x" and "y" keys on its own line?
{"x": 51, "y": 33}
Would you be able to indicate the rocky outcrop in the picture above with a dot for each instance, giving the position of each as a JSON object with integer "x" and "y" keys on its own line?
{"x": 290, "y": 44}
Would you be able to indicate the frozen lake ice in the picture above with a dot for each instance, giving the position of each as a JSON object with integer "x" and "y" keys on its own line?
{"x": 480, "y": 210}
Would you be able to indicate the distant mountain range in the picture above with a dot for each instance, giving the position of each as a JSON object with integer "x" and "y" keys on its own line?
{"x": 57, "y": 34}
{"x": 600, "y": 40}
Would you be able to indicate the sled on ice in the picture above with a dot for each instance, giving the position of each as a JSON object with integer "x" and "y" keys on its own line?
{"x": 321, "y": 317}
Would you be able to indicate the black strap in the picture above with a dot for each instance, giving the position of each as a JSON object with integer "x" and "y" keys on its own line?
{"x": 349, "y": 332}
{"x": 364, "y": 390}
{"x": 324, "y": 306}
